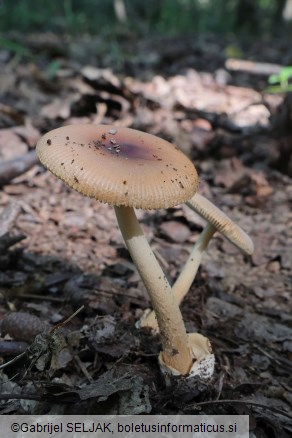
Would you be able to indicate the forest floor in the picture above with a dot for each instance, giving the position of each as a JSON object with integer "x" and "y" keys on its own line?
{"x": 60, "y": 251}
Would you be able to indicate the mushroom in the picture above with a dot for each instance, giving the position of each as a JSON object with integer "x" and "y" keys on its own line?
{"x": 216, "y": 221}
{"x": 130, "y": 169}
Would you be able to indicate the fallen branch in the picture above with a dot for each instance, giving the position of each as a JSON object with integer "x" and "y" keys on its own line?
{"x": 12, "y": 348}
{"x": 256, "y": 68}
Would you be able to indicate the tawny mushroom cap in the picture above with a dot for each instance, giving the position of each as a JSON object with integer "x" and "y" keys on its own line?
{"x": 119, "y": 166}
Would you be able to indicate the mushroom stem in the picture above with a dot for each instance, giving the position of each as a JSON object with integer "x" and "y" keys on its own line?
{"x": 190, "y": 269}
{"x": 176, "y": 353}
{"x": 185, "y": 279}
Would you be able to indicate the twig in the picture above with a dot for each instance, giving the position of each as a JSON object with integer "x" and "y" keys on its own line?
{"x": 251, "y": 403}
{"x": 81, "y": 366}
{"x": 280, "y": 362}
{"x": 63, "y": 323}
{"x": 12, "y": 361}
{"x": 39, "y": 297}
{"x": 109, "y": 292}
{"x": 20, "y": 397}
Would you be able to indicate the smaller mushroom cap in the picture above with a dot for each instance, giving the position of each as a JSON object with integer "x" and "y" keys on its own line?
{"x": 221, "y": 222}
{"x": 119, "y": 166}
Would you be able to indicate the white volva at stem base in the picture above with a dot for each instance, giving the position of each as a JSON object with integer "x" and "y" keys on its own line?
{"x": 204, "y": 360}
{"x": 176, "y": 353}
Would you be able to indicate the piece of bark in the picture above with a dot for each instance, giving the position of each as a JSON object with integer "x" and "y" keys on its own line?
{"x": 12, "y": 168}
{"x": 6, "y": 241}
{"x": 7, "y": 217}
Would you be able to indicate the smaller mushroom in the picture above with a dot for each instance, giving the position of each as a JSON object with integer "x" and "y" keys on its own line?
{"x": 216, "y": 221}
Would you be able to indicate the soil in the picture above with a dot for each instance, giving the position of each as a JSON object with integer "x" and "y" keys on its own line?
{"x": 69, "y": 293}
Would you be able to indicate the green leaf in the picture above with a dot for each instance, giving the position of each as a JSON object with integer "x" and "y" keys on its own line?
{"x": 278, "y": 89}
{"x": 14, "y": 47}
